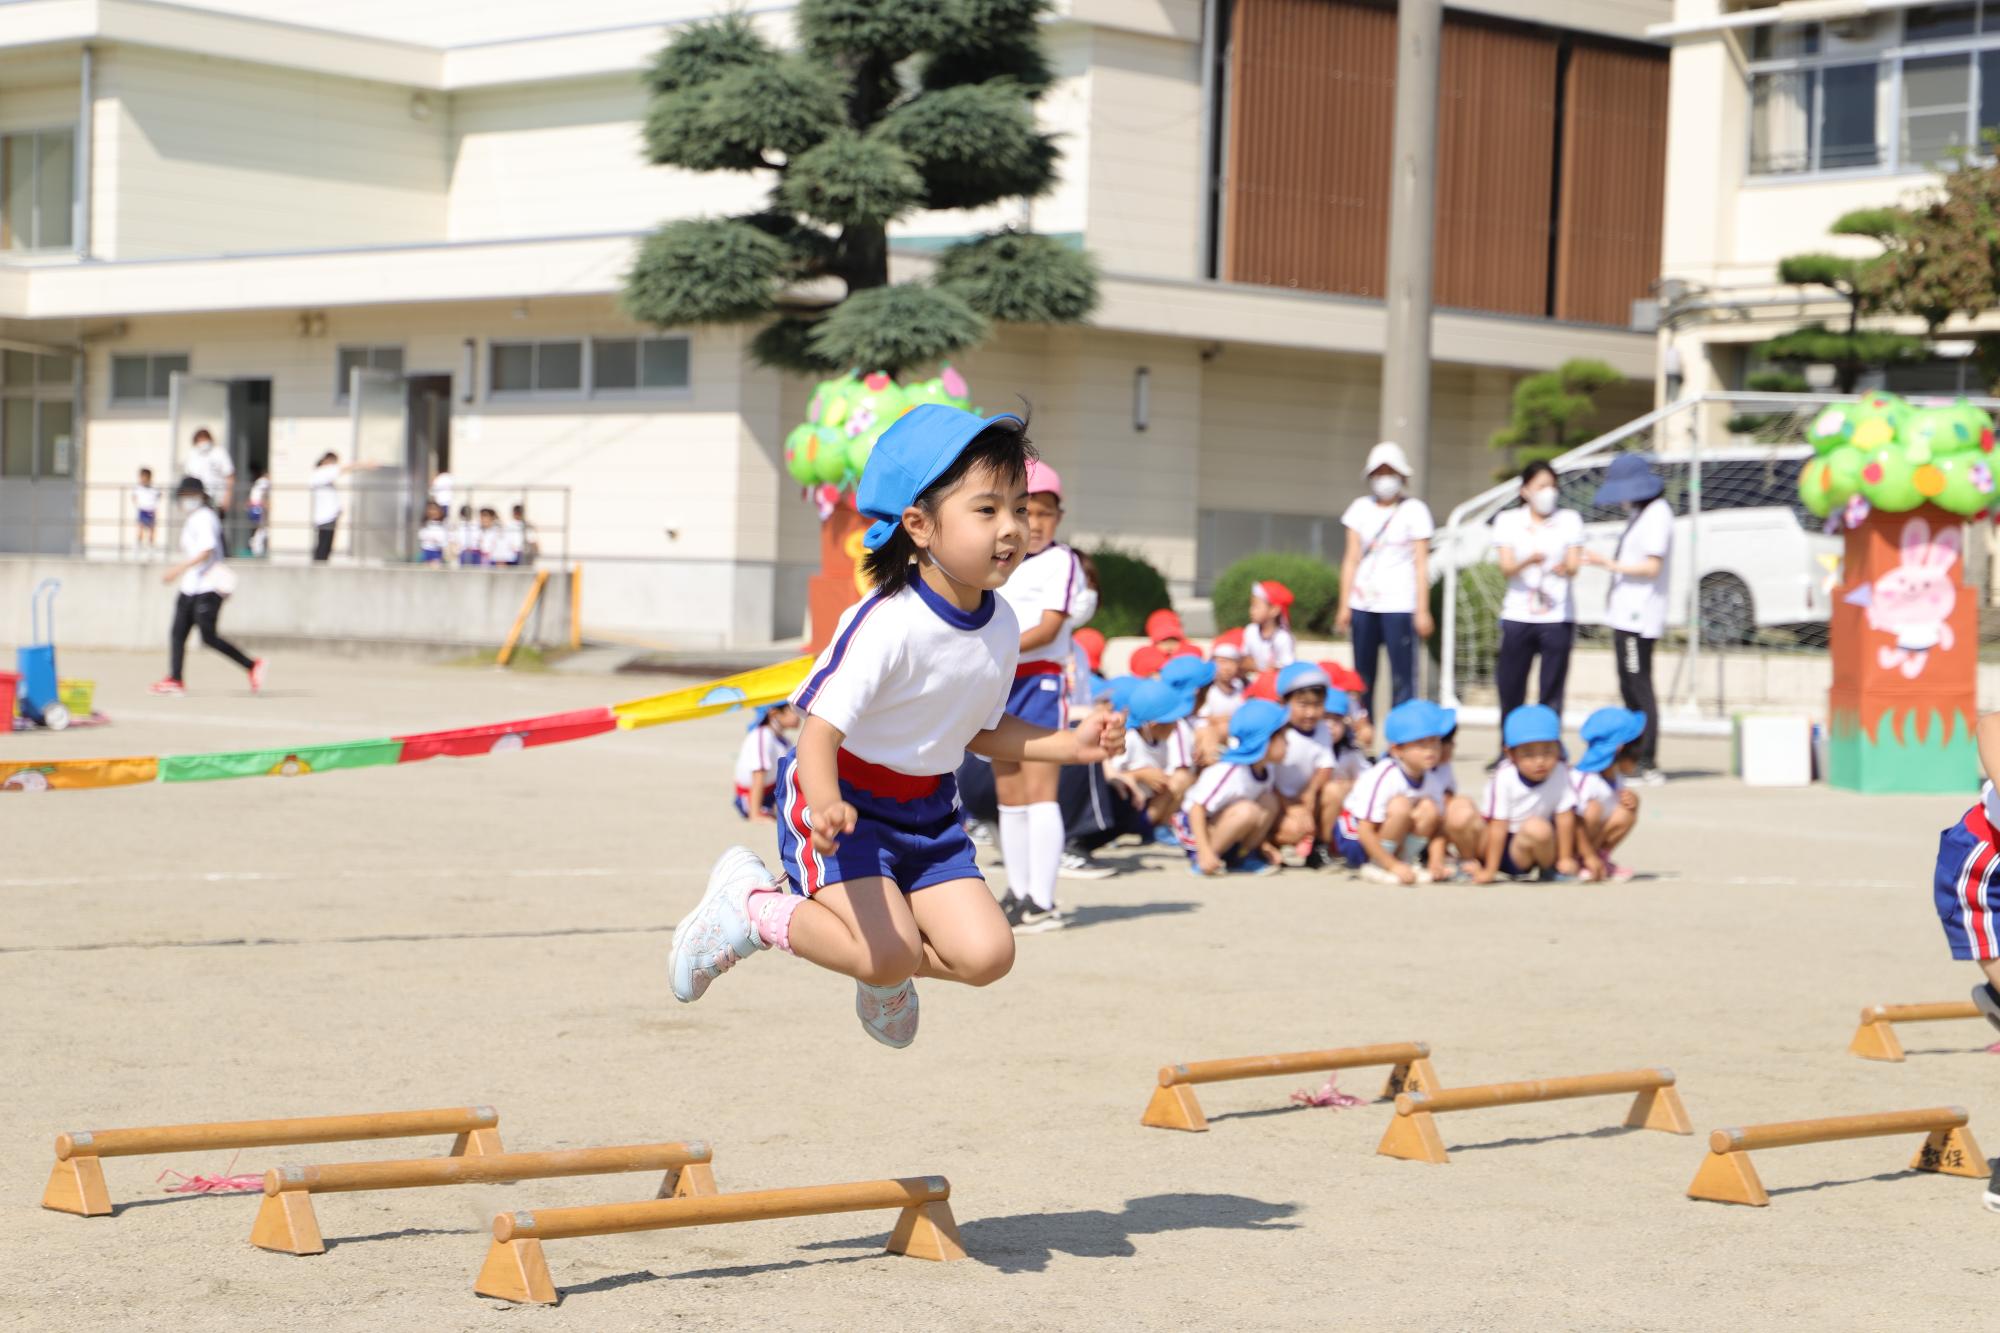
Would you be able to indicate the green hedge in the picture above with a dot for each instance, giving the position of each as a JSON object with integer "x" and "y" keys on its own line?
{"x": 1315, "y": 585}
{"x": 1128, "y": 590}
{"x": 1480, "y": 588}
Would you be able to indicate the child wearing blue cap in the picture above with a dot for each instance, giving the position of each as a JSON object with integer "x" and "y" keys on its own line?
{"x": 1157, "y": 767}
{"x": 1529, "y": 806}
{"x": 768, "y": 740}
{"x": 1309, "y": 797}
{"x": 1230, "y": 809}
{"x": 1386, "y": 806}
{"x": 879, "y": 881}
{"x": 1606, "y": 809}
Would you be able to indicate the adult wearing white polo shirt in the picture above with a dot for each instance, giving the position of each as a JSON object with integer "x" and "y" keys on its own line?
{"x": 1539, "y": 546}
{"x": 1636, "y": 610}
{"x": 324, "y": 485}
{"x": 209, "y": 463}
{"x": 1385, "y": 575}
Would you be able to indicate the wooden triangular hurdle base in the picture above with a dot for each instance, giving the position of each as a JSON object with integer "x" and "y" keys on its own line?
{"x": 1951, "y": 1152}
{"x": 1413, "y": 1135}
{"x": 1876, "y": 1040}
{"x": 1661, "y": 1109}
{"x": 516, "y": 1270}
{"x": 1175, "y": 1106}
{"x": 927, "y": 1231}
{"x": 77, "y": 1186}
{"x": 1727, "y": 1175}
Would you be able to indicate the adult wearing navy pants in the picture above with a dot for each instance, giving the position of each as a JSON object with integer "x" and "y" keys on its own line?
{"x": 1539, "y": 546}
{"x": 1385, "y": 576}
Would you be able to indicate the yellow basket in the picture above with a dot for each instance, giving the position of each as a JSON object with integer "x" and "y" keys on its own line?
{"x": 78, "y": 696}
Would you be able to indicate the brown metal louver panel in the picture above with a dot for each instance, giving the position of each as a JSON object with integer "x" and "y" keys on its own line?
{"x": 1496, "y": 166}
{"x": 1311, "y": 115}
{"x": 1614, "y": 175}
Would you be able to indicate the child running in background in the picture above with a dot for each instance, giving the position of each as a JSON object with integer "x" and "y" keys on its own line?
{"x": 1043, "y": 593}
{"x": 1229, "y": 811}
{"x": 1606, "y": 809}
{"x": 880, "y": 882}
{"x": 1303, "y": 779}
{"x": 1267, "y": 640}
{"x": 1968, "y": 904}
{"x": 1386, "y": 806}
{"x": 432, "y": 537}
{"x": 768, "y": 740}
{"x": 1156, "y": 769}
{"x": 1529, "y": 806}
{"x": 146, "y": 509}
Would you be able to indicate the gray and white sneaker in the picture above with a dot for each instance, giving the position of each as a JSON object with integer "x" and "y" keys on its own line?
{"x": 1037, "y": 921}
{"x": 1993, "y": 1192}
{"x": 1987, "y": 1003}
{"x": 717, "y": 934}
{"x": 1081, "y": 865}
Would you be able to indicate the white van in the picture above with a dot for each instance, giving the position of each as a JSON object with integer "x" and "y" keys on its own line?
{"x": 1764, "y": 561}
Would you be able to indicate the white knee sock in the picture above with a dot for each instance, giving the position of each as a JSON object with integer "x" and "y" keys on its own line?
{"x": 1045, "y": 849}
{"x": 1014, "y": 840}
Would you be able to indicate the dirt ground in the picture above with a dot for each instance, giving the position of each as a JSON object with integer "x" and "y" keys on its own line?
{"x": 494, "y": 930}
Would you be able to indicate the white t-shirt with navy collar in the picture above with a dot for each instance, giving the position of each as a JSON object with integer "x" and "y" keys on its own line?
{"x": 1368, "y": 802}
{"x": 1049, "y": 580}
{"x": 1639, "y": 605}
{"x": 1172, "y": 751}
{"x": 1223, "y": 785}
{"x": 1511, "y": 797}
{"x": 1600, "y": 787}
{"x": 909, "y": 679}
{"x": 761, "y": 750}
{"x": 1306, "y": 753}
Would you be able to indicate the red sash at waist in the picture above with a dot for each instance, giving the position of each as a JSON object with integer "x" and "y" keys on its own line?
{"x": 1026, "y": 669}
{"x": 884, "y": 782}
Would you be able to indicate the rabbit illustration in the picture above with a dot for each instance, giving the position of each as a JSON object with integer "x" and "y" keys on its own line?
{"x": 1914, "y": 600}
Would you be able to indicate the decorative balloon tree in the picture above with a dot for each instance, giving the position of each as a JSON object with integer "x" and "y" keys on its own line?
{"x": 1902, "y": 481}
{"x": 826, "y": 452}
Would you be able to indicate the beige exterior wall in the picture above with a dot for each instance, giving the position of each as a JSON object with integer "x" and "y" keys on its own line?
{"x": 199, "y": 155}
{"x": 1144, "y": 154}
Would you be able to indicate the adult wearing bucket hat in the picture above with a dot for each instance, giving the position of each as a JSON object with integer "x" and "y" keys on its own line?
{"x": 1636, "y": 609}
{"x": 1385, "y": 575}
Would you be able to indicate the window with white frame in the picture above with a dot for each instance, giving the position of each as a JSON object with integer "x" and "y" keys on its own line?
{"x": 347, "y": 360}
{"x": 145, "y": 379}
{"x": 522, "y": 369}
{"x": 38, "y": 189}
{"x": 1908, "y": 91}
{"x": 37, "y": 414}
{"x": 639, "y": 365}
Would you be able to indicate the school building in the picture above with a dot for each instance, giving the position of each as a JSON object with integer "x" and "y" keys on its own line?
{"x": 1783, "y": 117}
{"x": 218, "y": 212}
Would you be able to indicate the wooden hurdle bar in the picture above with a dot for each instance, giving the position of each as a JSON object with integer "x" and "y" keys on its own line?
{"x": 1728, "y": 1176}
{"x": 1174, "y": 1105}
{"x": 76, "y": 1185}
{"x": 286, "y": 1222}
{"x": 1876, "y": 1039}
{"x": 515, "y": 1269}
{"x": 1413, "y": 1134}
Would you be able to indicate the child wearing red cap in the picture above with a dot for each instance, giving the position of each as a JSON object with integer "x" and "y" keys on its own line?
{"x": 1165, "y": 632}
{"x": 1267, "y": 640}
{"x": 1045, "y": 594}
{"x": 1146, "y": 661}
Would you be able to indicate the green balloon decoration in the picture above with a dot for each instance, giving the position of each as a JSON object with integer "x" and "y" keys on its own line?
{"x": 1896, "y": 457}
{"x": 848, "y": 414}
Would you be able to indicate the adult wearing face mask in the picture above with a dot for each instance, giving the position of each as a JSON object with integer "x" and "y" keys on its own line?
{"x": 1636, "y": 609}
{"x": 204, "y": 580}
{"x": 1540, "y": 547}
{"x": 1385, "y": 576}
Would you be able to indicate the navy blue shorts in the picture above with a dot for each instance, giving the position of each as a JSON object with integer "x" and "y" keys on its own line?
{"x": 1968, "y": 901}
{"x": 1350, "y": 849}
{"x": 148, "y": 519}
{"x": 912, "y": 844}
{"x": 769, "y": 805}
{"x": 1039, "y": 699}
{"x": 430, "y": 557}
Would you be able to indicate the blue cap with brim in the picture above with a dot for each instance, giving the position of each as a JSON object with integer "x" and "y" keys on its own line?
{"x": 1337, "y": 703}
{"x": 912, "y": 454}
{"x": 1156, "y": 701}
{"x": 1251, "y": 728}
{"x": 1630, "y": 477}
{"x": 1605, "y": 733}
{"x": 1118, "y": 691}
{"x": 1188, "y": 673}
{"x": 1416, "y": 720}
{"x": 1531, "y": 723}
{"x": 757, "y": 718}
{"x": 1301, "y": 676}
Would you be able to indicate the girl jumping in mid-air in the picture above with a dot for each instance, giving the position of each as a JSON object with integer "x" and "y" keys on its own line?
{"x": 880, "y": 883}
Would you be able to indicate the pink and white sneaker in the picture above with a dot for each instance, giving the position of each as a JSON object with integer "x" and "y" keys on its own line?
{"x": 717, "y": 934}
{"x": 1616, "y": 874}
{"x": 888, "y": 1012}
{"x": 257, "y": 676}
{"x": 167, "y": 686}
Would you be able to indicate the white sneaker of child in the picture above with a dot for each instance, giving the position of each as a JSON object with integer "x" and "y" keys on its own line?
{"x": 717, "y": 934}
{"x": 889, "y": 1013}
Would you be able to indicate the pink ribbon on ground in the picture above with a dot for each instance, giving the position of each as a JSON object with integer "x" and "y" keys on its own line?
{"x": 1328, "y": 1095}
{"x": 222, "y": 1184}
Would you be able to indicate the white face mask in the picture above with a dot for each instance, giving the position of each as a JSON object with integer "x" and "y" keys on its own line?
{"x": 1543, "y": 502}
{"x": 1387, "y": 486}
{"x": 189, "y": 504}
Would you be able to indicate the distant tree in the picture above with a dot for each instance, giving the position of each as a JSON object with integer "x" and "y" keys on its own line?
{"x": 887, "y": 107}
{"x": 1552, "y": 411}
{"x": 1850, "y": 349}
{"x": 1943, "y": 259}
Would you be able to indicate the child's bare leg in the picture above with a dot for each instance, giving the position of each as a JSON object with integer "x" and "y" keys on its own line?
{"x": 1991, "y": 967}
{"x": 862, "y": 928}
{"x": 1534, "y": 844}
{"x": 1331, "y": 797}
{"x": 1617, "y": 825}
{"x": 966, "y": 938}
{"x": 1295, "y": 822}
{"x": 1466, "y": 828}
{"x": 1396, "y": 823}
{"x": 1238, "y": 829}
